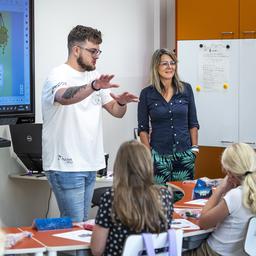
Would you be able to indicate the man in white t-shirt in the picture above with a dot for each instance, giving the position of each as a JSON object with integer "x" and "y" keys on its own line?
{"x": 72, "y": 100}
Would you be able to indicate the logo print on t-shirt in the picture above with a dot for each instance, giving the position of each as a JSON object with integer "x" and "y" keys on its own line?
{"x": 65, "y": 159}
{"x": 96, "y": 99}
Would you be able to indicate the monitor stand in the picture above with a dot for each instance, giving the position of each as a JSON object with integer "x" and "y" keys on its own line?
{"x": 4, "y": 143}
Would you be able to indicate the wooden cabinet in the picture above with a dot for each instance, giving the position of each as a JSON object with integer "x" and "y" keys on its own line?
{"x": 208, "y": 163}
{"x": 247, "y": 19}
{"x": 212, "y": 19}
{"x": 218, "y": 19}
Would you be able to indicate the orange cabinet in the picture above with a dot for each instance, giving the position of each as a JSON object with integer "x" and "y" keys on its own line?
{"x": 247, "y": 19}
{"x": 212, "y": 19}
{"x": 208, "y": 163}
{"x": 218, "y": 19}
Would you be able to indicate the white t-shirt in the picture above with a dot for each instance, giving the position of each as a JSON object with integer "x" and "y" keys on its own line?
{"x": 228, "y": 238}
{"x": 72, "y": 137}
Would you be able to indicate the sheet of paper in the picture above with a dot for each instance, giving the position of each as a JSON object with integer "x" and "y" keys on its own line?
{"x": 78, "y": 235}
{"x": 214, "y": 66}
{"x": 198, "y": 202}
{"x": 188, "y": 212}
{"x": 184, "y": 224}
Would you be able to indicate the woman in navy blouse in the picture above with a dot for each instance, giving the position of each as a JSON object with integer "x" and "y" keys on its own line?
{"x": 167, "y": 120}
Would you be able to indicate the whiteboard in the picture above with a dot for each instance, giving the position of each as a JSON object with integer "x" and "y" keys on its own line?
{"x": 247, "y": 92}
{"x": 212, "y": 67}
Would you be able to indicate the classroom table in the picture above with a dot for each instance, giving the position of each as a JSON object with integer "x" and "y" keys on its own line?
{"x": 192, "y": 238}
{"x": 44, "y": 241}
{"x": 54, "y": 244}
{"x": 187, "y": 188}
{"x": 27, "y": 245}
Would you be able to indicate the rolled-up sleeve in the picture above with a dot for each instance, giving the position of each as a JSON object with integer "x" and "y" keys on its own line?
{"x": 192, "y": 114}
{"x": 143, "y": 114}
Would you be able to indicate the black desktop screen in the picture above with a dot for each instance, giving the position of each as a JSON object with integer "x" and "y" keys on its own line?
{"x": 27, "y": 144}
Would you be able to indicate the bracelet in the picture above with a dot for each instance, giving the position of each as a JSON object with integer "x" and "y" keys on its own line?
{"x": 195, "y": 148}
{"x": 120, "y": 104}
{"x": 92, "y": 85}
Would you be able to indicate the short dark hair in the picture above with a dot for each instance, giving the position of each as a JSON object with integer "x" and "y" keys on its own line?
{"x": 81, "y": 33}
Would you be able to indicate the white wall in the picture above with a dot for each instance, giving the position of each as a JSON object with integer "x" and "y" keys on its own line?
{"x": 128, "y": 41}
{"x": 131, "y": 31}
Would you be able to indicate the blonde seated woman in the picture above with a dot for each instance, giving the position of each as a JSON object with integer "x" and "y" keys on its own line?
{"x": 134, "y": 205}
{"x": 232, "y": 204}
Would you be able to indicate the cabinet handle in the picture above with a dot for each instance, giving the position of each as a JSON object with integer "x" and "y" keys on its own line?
{"x": 249, "y": 32}
{"x": 250, "y": 143}
{"x": 227, "y": 33}
{"x": 227, "y": 141}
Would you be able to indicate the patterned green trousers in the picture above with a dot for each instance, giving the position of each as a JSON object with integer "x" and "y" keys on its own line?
{"x": 173, "y": 167}
{"x": 178, "y": 166}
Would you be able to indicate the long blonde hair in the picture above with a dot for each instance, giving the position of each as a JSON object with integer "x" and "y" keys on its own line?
{"x": 154, "y": 74}
{"x": 240, "y": 160}
{"x": 136, "y": 200}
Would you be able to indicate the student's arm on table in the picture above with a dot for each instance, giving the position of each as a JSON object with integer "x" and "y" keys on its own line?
{"x": 99, "y": 239}
{"x": 216, "y": 208}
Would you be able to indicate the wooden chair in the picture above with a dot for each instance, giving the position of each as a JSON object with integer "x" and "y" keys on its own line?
{"x": 250, "y": 239}
{"x": 177, "y": 192}
{"x": 173, "y": 188}
{"x": 135, "y": 246}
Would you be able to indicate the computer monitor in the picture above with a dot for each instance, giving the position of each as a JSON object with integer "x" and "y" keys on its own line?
{"x": 17, "y": 86}
{"x": 27, "y": 145}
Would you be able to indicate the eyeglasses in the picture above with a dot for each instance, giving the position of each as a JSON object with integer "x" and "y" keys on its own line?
{"x": 93, "y": 51}
{"x": 168, "y": 63}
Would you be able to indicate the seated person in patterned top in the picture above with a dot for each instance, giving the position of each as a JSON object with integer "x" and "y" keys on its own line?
{"x": 134, "y": 204}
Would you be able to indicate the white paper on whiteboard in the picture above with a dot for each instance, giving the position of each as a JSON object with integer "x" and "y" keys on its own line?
{"x": 214, "y": 64}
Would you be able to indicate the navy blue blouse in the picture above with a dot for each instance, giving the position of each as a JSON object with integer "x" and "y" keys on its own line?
{"x": 170, "y": 121}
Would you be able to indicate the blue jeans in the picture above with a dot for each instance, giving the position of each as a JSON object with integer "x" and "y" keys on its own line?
{"x": 73, "y": 192}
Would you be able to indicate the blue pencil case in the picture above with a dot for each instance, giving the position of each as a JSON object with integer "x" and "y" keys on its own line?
{"x": 201, "y": 190}
{"x": 53, "y": 223}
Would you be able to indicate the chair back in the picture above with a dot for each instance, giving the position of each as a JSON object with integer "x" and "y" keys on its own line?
{"x": 135, "y": 244}
{"x": 97, "y": 193}
{"x": 250, "y": 239}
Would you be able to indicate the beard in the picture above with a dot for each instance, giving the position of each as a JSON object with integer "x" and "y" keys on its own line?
{"x": 84, "y": 66}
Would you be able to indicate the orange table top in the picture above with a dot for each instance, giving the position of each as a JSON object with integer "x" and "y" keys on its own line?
{"x": 187, "y": 187}
{"x": 26, "y": 245}
{"x": 47, "y": 238}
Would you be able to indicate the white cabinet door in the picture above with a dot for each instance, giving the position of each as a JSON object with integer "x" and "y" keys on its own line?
{"x": 247, "y": 92}
{"x": 217, "y": 107}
